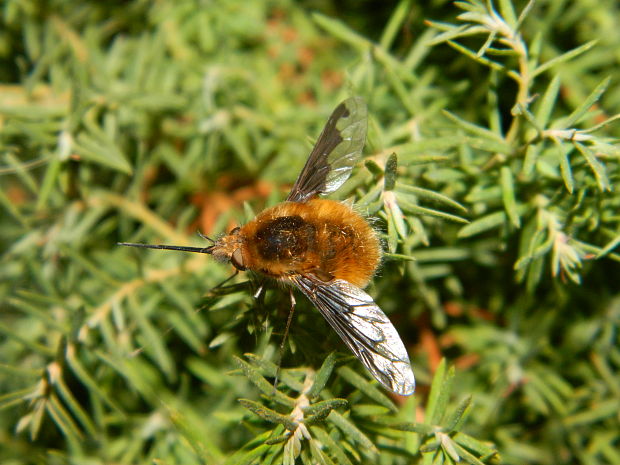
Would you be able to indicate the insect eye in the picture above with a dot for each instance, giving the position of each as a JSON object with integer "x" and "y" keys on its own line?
{"x": 234, "y": 230}
{"x": 237, "y": 260}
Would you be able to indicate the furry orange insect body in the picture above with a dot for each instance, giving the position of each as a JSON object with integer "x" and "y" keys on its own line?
{"x": 321, "y": 237}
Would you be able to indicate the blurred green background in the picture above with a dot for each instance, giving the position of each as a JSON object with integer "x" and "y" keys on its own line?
{"x": 491, "y": 169}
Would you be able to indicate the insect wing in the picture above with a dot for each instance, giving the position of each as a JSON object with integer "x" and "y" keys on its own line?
{"x": 336, "y": 151}
{"x": 364, "y": 328}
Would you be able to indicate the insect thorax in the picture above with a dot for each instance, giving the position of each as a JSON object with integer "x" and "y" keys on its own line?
{"x": 285, "y": 238}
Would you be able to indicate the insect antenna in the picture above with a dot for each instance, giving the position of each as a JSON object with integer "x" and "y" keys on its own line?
{"x": 282, "y": 344}
{"x": 206, "y": 237}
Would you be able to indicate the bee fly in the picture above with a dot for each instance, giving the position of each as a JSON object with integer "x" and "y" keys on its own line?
{"x": 324, "y": 249}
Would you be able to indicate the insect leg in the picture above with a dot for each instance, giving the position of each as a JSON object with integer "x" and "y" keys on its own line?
{"x": 282, "y": 344}
{"x": 259, "y": 291}
{"x": 218, "y": 286}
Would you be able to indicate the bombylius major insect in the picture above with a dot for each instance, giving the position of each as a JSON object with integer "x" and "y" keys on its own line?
{"x": 325, "y": 249}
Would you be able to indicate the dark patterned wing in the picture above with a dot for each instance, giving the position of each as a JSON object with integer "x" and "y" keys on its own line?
{"x": 364, "y": 328}
{"x": 336, "y": 151}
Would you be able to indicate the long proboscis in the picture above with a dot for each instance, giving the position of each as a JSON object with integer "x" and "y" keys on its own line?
{"x": 179, "y": 248}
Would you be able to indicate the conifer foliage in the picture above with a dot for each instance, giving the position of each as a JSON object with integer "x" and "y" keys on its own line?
{"x": 491, "y": 170}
